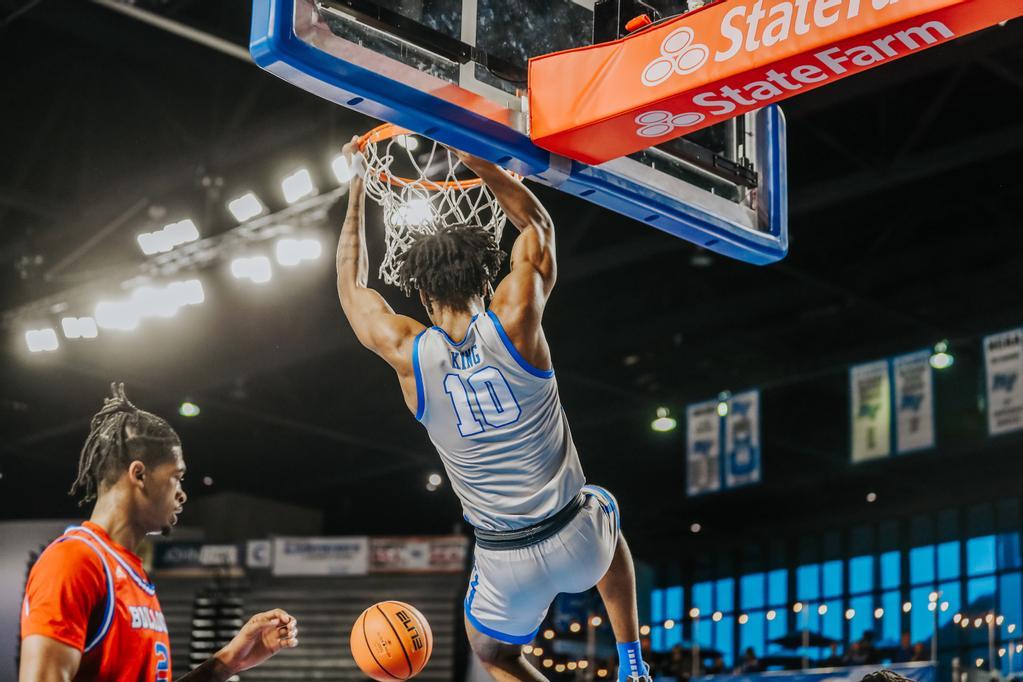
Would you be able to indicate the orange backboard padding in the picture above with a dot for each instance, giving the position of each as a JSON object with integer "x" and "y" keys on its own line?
{"x": 598, "y": 103}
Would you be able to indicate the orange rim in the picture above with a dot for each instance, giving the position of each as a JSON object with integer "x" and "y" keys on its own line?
{"x": 388, "y": 131}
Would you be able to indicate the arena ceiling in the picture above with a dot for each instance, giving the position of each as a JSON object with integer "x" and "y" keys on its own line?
{"x": 905, "y": 229}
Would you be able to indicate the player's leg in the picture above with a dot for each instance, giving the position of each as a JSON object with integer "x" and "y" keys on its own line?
{"x": 618, "y": 590}
{"x": 504, "y": 662}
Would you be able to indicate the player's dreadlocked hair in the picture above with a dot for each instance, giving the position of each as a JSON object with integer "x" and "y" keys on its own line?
{"x": 451, "y": 266}
{"x": 120, "y": 433}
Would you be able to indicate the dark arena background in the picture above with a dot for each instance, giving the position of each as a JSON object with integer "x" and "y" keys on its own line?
{"x": 877, "y": 523}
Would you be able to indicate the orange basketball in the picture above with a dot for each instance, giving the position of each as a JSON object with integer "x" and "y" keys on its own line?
{"x": 391, "y": 641}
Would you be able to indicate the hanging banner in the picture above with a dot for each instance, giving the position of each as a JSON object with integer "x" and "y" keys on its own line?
{"x": 218, "y": 555}
{"x": 1003, "y": 364}
{"x": 321, "y": 556}
{"x": 258, "y": 554}
{"x": 703, "y": 448}
{"x": 742, "y": 440}
{"x": 437, "y": 554}
{"x": 871, "y": 416}
{"x": 914, "y": 402}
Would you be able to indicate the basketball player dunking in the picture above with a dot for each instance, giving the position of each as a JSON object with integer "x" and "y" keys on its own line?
{"x": 480, "y": 380}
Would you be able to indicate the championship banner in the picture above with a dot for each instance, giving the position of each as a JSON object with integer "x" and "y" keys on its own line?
{"x": 914, "y": 402}
{"x": 321, "y": 556}
{"x": 442, "y": 554}
{"x": 742, "y": 440}
{"x": 703, "y": 449}
{"x": 1003, "y": 364}
{"x": 871, "y": 415}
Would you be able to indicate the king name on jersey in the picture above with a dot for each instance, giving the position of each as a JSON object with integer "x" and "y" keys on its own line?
{"x": 466, "y": 359}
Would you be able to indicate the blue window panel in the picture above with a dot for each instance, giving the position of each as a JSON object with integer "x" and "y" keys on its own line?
{"x": 723, "y": 639}
{"x": 703, "y": 597}
{"x": 831, "y": 622}
{"x": 891, "y": 623}
{"x": 1009, "y": 597}
{"x": 752, "y": 633}
{"x": 832, "y": 571}
{"x": 657, "y": 616}
{"x": 1008, "y": 551}
{"x": 725, "y": 592}
{"x": 921, "y": 620}
{"x": 751, "y": 591}
{"x": 948, "y": 560}
{"x": 863, "y": 618}
{"x": 921, "y": 566}
{"x": 980, "y": 594}
{"x": 891, "y": 570}
{"x": 777, "y": 628}
{"x": 861, "y": 574}
{"x": 980, "y": 555}
{"x": 673, "y": 602}
{"x": 673, "y": 636}
{"x": 808, "y": 582}
{"x": 704, "y": 632}
{"x": 778, "y": 587}
{"x": 951, "y": 593}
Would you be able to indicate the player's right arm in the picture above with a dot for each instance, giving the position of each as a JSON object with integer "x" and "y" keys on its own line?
{"x": 521, "y": 296}
{"x": 64, "y": 587}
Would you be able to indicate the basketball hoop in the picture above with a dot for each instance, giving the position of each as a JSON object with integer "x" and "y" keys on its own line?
{"x": 431, "y": 197}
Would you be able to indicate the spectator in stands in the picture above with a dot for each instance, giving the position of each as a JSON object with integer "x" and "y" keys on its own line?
{"x": 856, "y": 654}
{"x": 834, "y": 659}
{"x": 904, "y": 653}
{"x": 749, "y": 663}
{"x": 920, "y": 653}
{"x": 90, "y": 611}
{"x": 717, "y": 665}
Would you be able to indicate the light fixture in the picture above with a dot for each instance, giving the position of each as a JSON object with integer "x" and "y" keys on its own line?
{"x": 572, "y": 665}
{"x": 956, "y": 618}
{"x": 188, "y": 409}
{"x": 966, "y": 623}
{"x": 878, "y": 613}
{"x": 560, "y": 668}
{"x": 172, "y": 234}
{"x": 933, "y": 596}
{"x": 989, "y": 618}
{"x": 1012, "y": 628}
{"x": 538, "y": 651}
{"x": 245, "y": 207}
{"x": 341, "y": 170}
{"x": 1001, "y": 652}
{"x": 797, "y": 607}
{"x": 669, "y": 624}
{"x": 575, "y": 627}
{"x": 771, "y": 615}
{"x": 743, "y": 619}
{"x": 528, "y": 649}
{"x": 695, "y": 528}
{"x": 409, "y": 142}
{"x": 944, "y": 606}
{"x": 584, "y": 664}
{"x": 932, "y": 607}
{"x": 694, "y": 612}
{"x": 207, "y": 481}
{"x": 79, "y": 328}
{"x": 153, "y": 302}
{"x": 413, "y": 213}
{"x": 547, "y": 663}
{"x": 907, "y": 607}
{"x": 999, "y": 620}
{"x": 256, "y": 269}
{"x": 872, "y": 497}
{"x": 980, "y": 662}
{"x": 941, "y": 358}
{"x": 723, "y": 409}
{"x": 187, "y": 292}
{"x": 644, "y": 630}
{"x": 548, "y": 634}
{"x": 41, "y": 340}
{"x": 850, "y": 614}
{"x": 822, "y": 609}
{"x": 297, "y": 186}
{"x": 596, "y": 621}
{"x": 435, "y": 479}
{"x": 717, "y": 616}
{"x": 663, "y": 422}
{"x": 120, "y": 315}
{"x": 293, "y": 251}
{"x": 601, "y": 673}
{"x": 978, "y": 622}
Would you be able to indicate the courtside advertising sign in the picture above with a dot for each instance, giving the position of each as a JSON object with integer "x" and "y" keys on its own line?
{"x": 321, "y": 556}
{"x": 600, "y": 102}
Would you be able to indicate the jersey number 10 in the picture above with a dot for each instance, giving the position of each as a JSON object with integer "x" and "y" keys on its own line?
{"x": 492, "y": 403}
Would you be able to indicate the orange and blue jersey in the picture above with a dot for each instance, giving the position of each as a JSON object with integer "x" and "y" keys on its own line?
{"x": 92, "y": 594}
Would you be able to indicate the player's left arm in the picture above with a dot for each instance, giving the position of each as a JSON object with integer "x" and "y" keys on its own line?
{"x": 374, "y": 322}
{"x": 263, "y": 636}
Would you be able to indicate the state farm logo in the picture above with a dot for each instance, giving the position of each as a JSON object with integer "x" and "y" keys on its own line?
{"x": 679, "y": 54}
{"x": 659, "y": 123}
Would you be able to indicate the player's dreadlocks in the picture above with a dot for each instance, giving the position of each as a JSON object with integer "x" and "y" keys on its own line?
{"x": 451, "y": 266}
{"x": 120, "y": 433}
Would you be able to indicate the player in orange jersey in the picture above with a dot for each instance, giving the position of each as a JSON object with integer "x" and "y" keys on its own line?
{"x": 90, "y": 611}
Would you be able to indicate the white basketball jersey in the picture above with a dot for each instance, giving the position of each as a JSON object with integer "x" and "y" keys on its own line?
{"x": 498, "y": 425}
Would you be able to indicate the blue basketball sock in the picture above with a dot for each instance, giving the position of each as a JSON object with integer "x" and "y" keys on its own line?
{"x": 630, "y": 661}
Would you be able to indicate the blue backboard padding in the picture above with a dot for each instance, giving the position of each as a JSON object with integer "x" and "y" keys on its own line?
{"x": 275, "y": 48}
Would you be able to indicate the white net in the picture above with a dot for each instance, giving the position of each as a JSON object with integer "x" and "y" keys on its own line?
{"x": 429, "y": 197}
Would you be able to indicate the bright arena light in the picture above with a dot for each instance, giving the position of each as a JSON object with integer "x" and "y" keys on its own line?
{"x": 663, "y": 423}
{"x": 293, "y": 251}
{"x": 878, "y": 613}
{"x": 548, "y": 634}
{"x": 743, "y": 619}
{"x": 414, "y": 213}
{"x": 717, "y": 616}
{"x": 575, "y": 627}
{"x": 644, "y": 630}
{"x": 669, "y": 624}
{"x": 120, "y": 315}
{"x": 941, "y": 358}
{"x": 297, "y": 185}
{"x": 584, "y": 664}
{"x": 153, "y": 302}
{"x": 435, "y": 479}
{"x": 172, "y": 234}
{"x": 188, "y": 409}
{"x": 79, "y": 328}
{"x": 409, "y": 142}
{"x": 40, "y": 340}
{"x": 245, "y": 207}
{"x": 722, "y": 409}
{"x": 771, "y": 615}
{"x": 560, "y": 667}
{"x": 341, "y": 170}
{"x": 256, "y": 269}
{"x": 187, "y": 292}
{"x": 596, "y": 621}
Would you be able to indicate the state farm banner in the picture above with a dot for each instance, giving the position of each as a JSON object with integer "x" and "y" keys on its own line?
{"x": 321, "y": 556}
{"x": 871, "y": 415}
{"x": 914, "y": 401}
{"x": 1003, "y": 364}
{"x": 742, "y": 440}
{"x": 703, "y": 448}
{"x": 601, "y": 102}
{"x": 438, "y": 554}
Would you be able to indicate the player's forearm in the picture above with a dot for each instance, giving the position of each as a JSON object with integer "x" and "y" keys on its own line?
{"x": 213, "y": 670}
{"x": 518, "y": 203}
{"x": 352, "y": 256}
